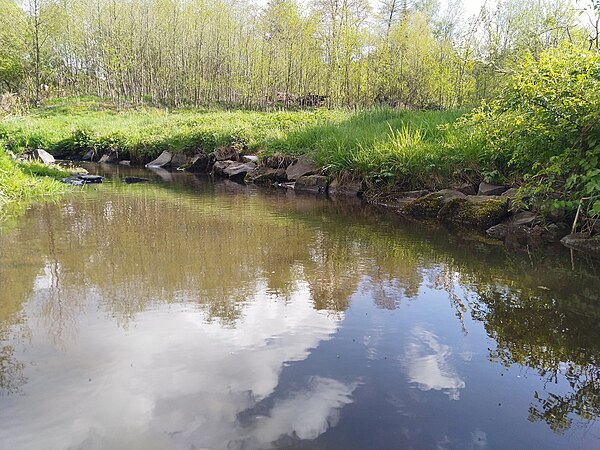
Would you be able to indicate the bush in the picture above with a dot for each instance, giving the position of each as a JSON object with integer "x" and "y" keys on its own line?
{"x": 546, "y": 129}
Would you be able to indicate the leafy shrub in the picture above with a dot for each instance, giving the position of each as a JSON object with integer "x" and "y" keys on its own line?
{"x": 546, "y": 128}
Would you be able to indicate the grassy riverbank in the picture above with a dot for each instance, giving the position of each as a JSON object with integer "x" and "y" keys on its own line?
{"x": 380, "y": 145}
{"x": 22, "y": 183}
{"x": 542, "y": 135}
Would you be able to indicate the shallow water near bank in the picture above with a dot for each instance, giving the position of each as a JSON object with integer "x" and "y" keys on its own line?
{"x": 185, "y": 313}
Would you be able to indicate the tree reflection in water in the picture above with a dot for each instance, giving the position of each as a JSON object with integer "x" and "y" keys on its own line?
{"x": 148, "y": 246}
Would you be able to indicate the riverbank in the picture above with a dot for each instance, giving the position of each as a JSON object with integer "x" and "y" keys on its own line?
{"x": 409, "y": 161}
{"x": 536, "y": 145}
{"x": 24, "y": 182}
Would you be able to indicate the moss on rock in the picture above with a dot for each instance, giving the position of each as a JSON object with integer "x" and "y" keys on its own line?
{"x": 427, "y": 206}
{"x": 482, "y": 213}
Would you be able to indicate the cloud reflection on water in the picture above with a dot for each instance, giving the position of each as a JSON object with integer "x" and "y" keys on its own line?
{"x": 174, "y": 380}
{"x": 427, "y": 364}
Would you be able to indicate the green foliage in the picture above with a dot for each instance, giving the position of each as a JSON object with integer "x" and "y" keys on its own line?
{"x": 25, "y": 182}
{"x": 381, "y": 145}
{"x": 547, "y": 128}
{"x": 77, "y": 125}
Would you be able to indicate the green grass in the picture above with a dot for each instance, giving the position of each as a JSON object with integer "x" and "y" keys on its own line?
{"x": 76, "y": 125}
{"x": 22, "y": 183}
{"x": 384, "y": 146}
{"x": 388, "y": 148}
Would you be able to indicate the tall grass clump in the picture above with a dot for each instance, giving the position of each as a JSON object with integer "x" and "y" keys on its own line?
{"x": 384, "y": 146}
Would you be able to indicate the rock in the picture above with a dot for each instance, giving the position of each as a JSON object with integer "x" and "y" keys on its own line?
{"x": 133, "y": 180}
{"x": 250, "y": 159}
{"x": 465, "y": 188}
{"x": 43, "y": 156}
{"x": 311, "y": 183}
{"x": 281, "y": 175}
{"x": 199, "y": 163}
{"x": 78, "y": 180}
{"x": 506, "y": 228}
{"x": 415, "y": 194}
{"x": 219, "y": 167}
{"x": 510, "y": 193}
{"x": 518, "y": 226}
{"x": 89, "y": 156}
{"x": 583, "y": 243}
{"x": 525, "y": 218}
{"x": 491, "y": 189}
{"x": 278, "y": 161}
{"x": 555, "y": 232}
{"x": 125, "y": 163}
{"x": 476, "y": 211}
{"x": 238, "y": 169}
{"x": 224, "y": 153}
{"x": 429, "y": 205}
{"x": 74, "y": 181}
{"x": 345, "y": 188}
{"x": 110, "y": 158}
{"x": 180, "y": 160}
{"x": 91, "y": 179}
{"x": 302, "y": 166}
{"x": 163, "y": 160}
{"x": 262, "y": 175}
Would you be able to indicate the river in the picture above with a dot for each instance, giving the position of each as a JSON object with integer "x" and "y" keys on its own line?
{"x": 189, "y": 314}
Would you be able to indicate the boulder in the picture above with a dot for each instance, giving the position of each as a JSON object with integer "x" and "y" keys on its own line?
{"x": 510, "y": 193}
{"x": 250, "y": 159}
{"x": 91, "y": 179}
{"x": 219, "y": 167}
{"x": 78, "y": 180}
{"x": 224, "y": 153}
{"x": 302, "y": 166}
{"x": 262, "y": 175}
{"x": 583, "y": 243}
{"x": 109, "y": 158}
{"x": 475, "y": 211}
{"x": 199, "y": 163}
{"x": 180, "y": 160}
{"x": 278, "y": 161}
{"x": 429, "y": 205}
{"x": 74, "y": 181}
{"x": 518, "y": 226}
{"x": 465, "y": 188}
{"x": 345, "y": 188}
{"x": 133, "y": 180}
{"x": 316, "y": 184}
{"x": 414, "y": 194}
{"x": 163, "y": 160}
{"x": 43, "y": 156}
{"x": 90, "y": 155}
{"x": 491, "y": 189}
{"x": 502, "y": 230}
{"x": 238, "y": 169}
{"x": 525, "y": 218}
{"x": 125, "y": 163}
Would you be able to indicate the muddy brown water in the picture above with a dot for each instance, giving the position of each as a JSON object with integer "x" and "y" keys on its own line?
{"x": 190, "y": 314}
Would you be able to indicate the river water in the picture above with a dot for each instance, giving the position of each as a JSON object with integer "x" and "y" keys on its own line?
{"x": 186, "y": 314}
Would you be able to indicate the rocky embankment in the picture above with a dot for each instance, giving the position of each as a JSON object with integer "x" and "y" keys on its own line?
{"x": 483, "y": 206}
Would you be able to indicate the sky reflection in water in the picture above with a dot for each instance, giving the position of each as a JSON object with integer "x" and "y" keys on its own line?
{"x": 194, "y": 315}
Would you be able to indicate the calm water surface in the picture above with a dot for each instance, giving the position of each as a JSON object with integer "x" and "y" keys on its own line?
{"x": 183, "y": 314}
